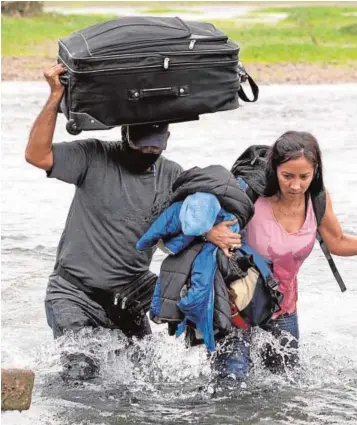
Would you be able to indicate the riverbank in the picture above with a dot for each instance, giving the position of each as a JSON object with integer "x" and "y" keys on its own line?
{"x": 31, "y": 69}
{"x": 295, "y": 45}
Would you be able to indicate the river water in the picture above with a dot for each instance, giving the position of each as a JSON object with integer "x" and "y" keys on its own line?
{"x": 156, "y": 380}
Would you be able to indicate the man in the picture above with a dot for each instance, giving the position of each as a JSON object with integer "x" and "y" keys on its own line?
{"x": 120, "y": 188}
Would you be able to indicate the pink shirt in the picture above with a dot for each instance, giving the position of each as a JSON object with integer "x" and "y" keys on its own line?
{"x": 287, "y": 251}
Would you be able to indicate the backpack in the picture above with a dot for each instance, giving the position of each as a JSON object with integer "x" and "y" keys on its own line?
{"x": 249, "y": 169}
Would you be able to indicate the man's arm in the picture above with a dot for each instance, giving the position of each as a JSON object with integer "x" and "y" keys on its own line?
{"x": 39, "y": 147}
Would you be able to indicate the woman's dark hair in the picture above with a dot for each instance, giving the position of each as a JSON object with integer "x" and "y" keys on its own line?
{"x": 294, "y": 145}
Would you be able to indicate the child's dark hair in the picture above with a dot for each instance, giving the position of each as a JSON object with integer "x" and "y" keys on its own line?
{"x": 294, "y": 145}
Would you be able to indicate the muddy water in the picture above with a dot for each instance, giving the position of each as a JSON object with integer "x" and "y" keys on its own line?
{"x": 157, "y": 380}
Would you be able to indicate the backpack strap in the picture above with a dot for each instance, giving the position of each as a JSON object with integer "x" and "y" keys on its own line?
{"x": 331, "y": 262}
{"x": 252, "y": 194}
{"x": 319, "y": 206}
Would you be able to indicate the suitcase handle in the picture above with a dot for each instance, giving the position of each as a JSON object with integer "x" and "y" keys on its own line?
{"x": 64, "y": 78}
{"x": 243, "y": 77}
{"x": 254, "y": 88}
{"x": 158, "y": 92}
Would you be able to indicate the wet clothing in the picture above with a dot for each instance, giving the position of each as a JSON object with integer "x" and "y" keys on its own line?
{"x": 66, "y": 314}
{"x": 233, "y": 356}
{"x": 287, "y": 251}
{"x": 111, "y": 209}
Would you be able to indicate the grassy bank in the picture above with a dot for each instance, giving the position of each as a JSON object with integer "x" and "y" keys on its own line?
{"x": 292, "y": 44}
{"x": 37, "y": 36}
{"x": 164, "y": 5}
{"x": 306, "y": 34}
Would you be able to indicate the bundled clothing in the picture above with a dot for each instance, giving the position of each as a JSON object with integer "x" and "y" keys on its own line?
{"x": 192, "y": 286}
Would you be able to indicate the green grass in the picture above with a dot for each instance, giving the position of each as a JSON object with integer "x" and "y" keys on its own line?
{"x": 37, "y": 36}
{"x": 83, "y": 4}
{"x": 308, "y": 34}
{"x": 314, "y": 34}
{"x": 314, "y": 14}
{"x": 147, "y": 4}
{"x": 164, "y": 10}
{"x": 150, "y": 8}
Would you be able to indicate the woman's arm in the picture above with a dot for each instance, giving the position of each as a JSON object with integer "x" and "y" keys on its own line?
{"x": 338, "y": 243}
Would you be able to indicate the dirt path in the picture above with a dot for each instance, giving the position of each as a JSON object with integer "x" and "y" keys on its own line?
{"x": 31, "y": 69}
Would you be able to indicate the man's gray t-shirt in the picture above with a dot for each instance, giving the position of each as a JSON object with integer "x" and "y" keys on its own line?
{"x": 110, "y": 211}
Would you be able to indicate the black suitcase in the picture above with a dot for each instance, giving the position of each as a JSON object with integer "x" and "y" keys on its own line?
{"x": 137, "y": 70}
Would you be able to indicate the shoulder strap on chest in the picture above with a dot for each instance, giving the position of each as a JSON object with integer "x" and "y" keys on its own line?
{"x": 319, "y": 206}
{"x": 253, "y": 196}
{"x": 331, "y": 262}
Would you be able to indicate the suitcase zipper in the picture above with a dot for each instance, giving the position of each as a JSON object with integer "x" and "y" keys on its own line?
{"x": 206, "y": 63}
{"x": 179, "y": 52}
{"x": 191, "y": 43}
{"x": 143, "y": 43}
{"x": 165, "y": 65}
{"x": 159, "y": 54}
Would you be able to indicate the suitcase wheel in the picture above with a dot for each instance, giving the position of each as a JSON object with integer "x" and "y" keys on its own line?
{"x": 72, "y": 127}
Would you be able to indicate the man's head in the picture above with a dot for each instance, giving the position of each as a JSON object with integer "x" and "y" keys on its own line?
{"x": 143, "y": 145}
{"x": 148, "y": 138}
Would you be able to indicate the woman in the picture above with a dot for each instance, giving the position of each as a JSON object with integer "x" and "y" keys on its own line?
{"x": 283, "y": 230}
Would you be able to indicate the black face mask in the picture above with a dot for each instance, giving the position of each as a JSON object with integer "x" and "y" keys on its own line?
{"x": 136, "y": 161}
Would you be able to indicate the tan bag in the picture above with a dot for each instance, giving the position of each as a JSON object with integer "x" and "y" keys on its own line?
{"x": 244, "y": 288}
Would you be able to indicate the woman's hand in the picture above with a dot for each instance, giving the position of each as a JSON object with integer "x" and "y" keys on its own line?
{"x": 223, "y": 237}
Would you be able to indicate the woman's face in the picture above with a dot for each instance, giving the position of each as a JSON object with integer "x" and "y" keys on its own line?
{"x": 295, "y": 177}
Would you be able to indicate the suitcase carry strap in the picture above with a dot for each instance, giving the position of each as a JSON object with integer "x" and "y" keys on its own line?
{"x": 253, "y": 86}
{"x": 137, "y": 94}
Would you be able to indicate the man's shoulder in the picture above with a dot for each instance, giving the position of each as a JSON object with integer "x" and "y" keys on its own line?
{"x": 168, "y": 164}
{"x": 96, "y": 146}
{"x": 98, "y": 143}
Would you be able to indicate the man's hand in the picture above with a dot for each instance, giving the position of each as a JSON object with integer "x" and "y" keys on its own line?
{"x": 39, "y": 147}
{"x": 52, "y": 77}
{"x": 221, "y": 236}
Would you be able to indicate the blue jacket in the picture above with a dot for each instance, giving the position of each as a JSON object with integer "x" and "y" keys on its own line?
{"x": 198, "y": 197}
{"x": 176, "y": 227}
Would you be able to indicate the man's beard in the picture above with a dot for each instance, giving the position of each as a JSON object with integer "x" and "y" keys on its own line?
{"x": 136, "y": 161}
